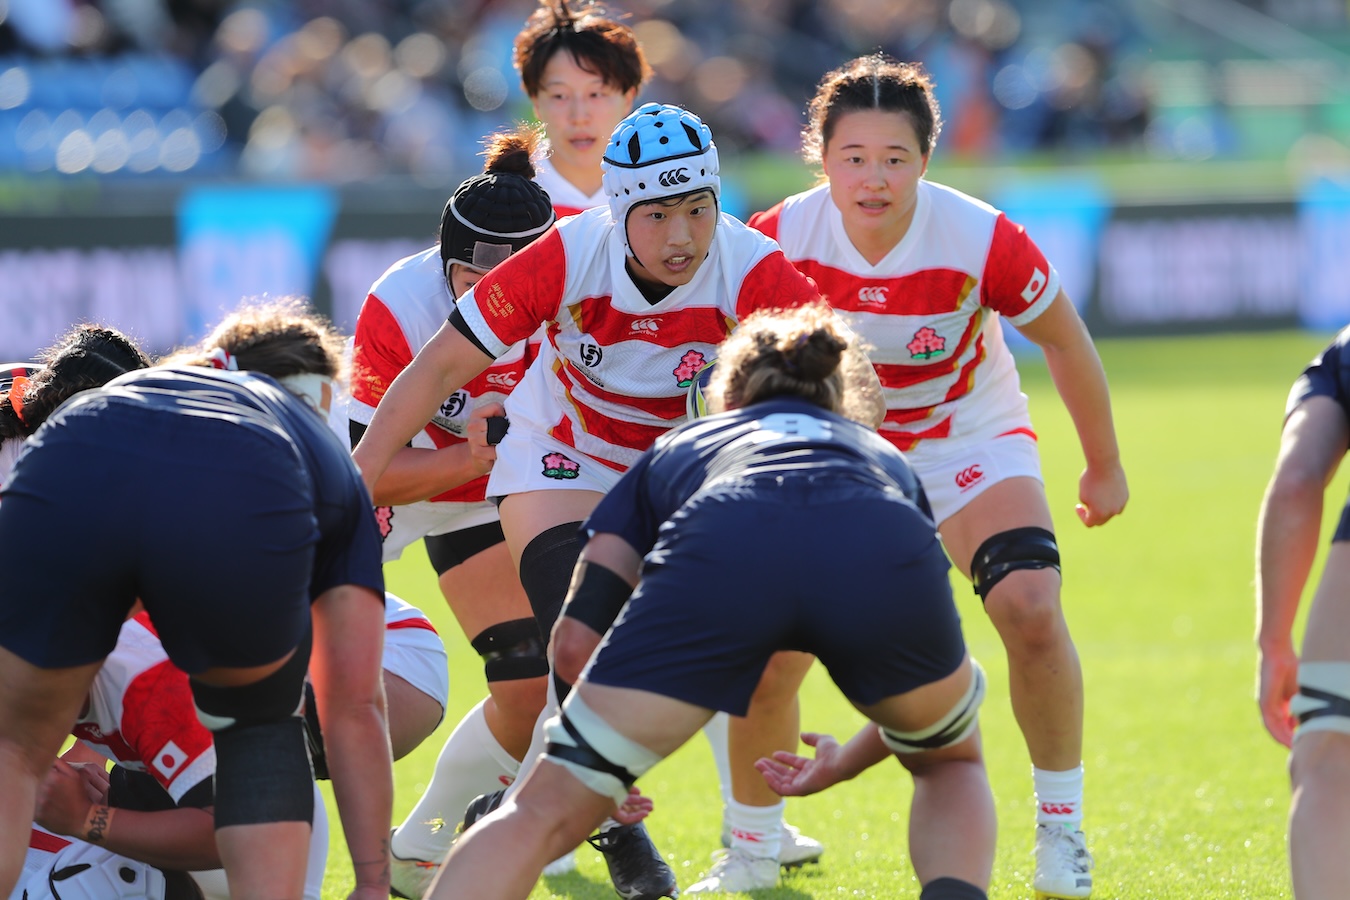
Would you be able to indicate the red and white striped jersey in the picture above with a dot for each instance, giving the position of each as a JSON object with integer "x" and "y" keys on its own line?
{"x": 141, "y": 713}
{"x": 613, "y": 373}
{"x": 930, "y": 308}
{"x": 567, "y": 198}
{"x": 404, "y": 309}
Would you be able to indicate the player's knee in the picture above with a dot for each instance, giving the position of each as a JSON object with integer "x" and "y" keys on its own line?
{"x": 1322, "y": 704}
{"x": 263, "y": 769}
{"x": 595, "y": 753}
{"x": 512, "y": 651}
{"x": 546, "y": 566}
{"x": 1029, "y": 548}
{"x": 573, "y": 644}
{"x": 953, "y": 727}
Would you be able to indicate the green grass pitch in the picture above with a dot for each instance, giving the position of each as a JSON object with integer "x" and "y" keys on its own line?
{"x": 1186, "y": 794}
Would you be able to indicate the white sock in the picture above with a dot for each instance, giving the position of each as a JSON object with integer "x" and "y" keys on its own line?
{"x": 537, "y": 740}
{"x": 718, "y": 731}
{"x": 472, "y": 762}
{"x": 1059, "y": 796}
{"x": 757, "y": 830}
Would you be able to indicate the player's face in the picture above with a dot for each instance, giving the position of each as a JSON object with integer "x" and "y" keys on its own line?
{"x": 670, "y": 238}
{"x": 579, "y": 111}
{"x": 874, "y": 166}
{"x": 462, "y": 278}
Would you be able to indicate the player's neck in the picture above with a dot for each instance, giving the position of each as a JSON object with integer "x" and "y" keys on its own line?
{"x": 585, "y": 178}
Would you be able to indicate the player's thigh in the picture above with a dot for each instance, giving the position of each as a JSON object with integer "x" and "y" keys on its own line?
{"x": 485, "y": 590}
{"x": 527, "y": 515}
{"x": 1012, "y": 503}
{"x": 1328, "y": 633}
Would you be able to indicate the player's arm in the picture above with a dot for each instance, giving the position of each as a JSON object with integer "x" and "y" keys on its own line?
{"x": 180, "y": 839}
{"x": 420, "y": 473}
{"x": 443, "y": 366}
{"x": 605, "y": 576}
{"x": 1077, "y": 372}
{"x": 347, "y": 676}
{"x": 1315, "y": 438}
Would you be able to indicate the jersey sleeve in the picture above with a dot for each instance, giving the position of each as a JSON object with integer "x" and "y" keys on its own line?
{"x": 160, "y": 724}
{"x": 774, "y": 283}
{"x": 766, "y": 222}
{"x": 380, "y": 352}
{"x": 515, "y": 298}
{"x": 1017, "y": 281}
{"x": 1328, "y": 375}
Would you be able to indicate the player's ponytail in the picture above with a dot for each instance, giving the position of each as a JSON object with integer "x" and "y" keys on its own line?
{"x": 279, "y": 338}
{"x": 807, "y": 352}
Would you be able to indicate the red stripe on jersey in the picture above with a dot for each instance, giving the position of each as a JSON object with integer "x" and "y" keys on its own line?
{"x": 774, "y": 283}
{"x": 661, "y": 407}
{"x": 906, "y": 440}
{"x": 49, "y": 843}
{"x": 929, "y": 292}
{"x": 905, "y": 416}
{"x": 1027, "y": 431}
{"x": 767, "y": 222}
{"x": 898, "y": 376}
{"x": 411, "y": 623}
{"x": 597, "y": 317}
{"x": 608, "y": 429}
{"x": 563, "y": 212}
{"x": 966, "y": 379}
{"x": 562, "y": 432}
{"x": 143, "y": 619}
{"x": 380, "y": 352}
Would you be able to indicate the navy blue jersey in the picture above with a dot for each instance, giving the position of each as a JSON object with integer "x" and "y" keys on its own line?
{"x": 1328, "y": 375}
{"x": 755, "y": 448}
{"x": 258, "y": 402}
{"x": 218, "y": 499}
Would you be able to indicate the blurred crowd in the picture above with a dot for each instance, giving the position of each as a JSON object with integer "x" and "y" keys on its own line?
{"x": 346, "y": 90}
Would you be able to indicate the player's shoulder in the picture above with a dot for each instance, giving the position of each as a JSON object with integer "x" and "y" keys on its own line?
{"x": 947, "y": 200}
{"x": 415, "y": 278}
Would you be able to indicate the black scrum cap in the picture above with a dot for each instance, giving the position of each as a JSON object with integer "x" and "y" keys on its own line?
{"x": 489, "y": 217}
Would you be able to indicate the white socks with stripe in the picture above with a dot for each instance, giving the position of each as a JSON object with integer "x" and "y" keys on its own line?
{"x": 470, "y": 763}
{"x": 1059, "y": 796}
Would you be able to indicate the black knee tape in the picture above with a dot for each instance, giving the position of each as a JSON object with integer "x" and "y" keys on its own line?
{"x": 263, "y": 774}
{"x": 512, "y": 650}
{"x": 276, "y": 697}
{"x": 1008, "y": 551}
{"x": 546, "y": 566}
{"x": 262, "y": 767}
{"x": 951, "y": 889}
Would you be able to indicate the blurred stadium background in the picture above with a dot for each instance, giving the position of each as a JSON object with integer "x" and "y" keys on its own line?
{"x": 1185, "y": 163}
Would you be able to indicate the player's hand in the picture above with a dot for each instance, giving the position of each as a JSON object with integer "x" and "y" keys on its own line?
{"x": 1276, "y": 686}
{"x": 634, "y": 809}
{"x": 484, "y": 454}
{"x": 63, "y": 800}
{"x": 1102, "y": 494}
{"x": 790, "y": 775}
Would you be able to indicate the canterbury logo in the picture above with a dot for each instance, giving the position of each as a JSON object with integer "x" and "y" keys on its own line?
{"x": 872, "y": 295}
{"x": 1058, "y": 809}
{"x": 502, "y": 379}
{"x": 674, "y": 177}
{"x": 652, "y": 325}
{"x": 968, "y": 476}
